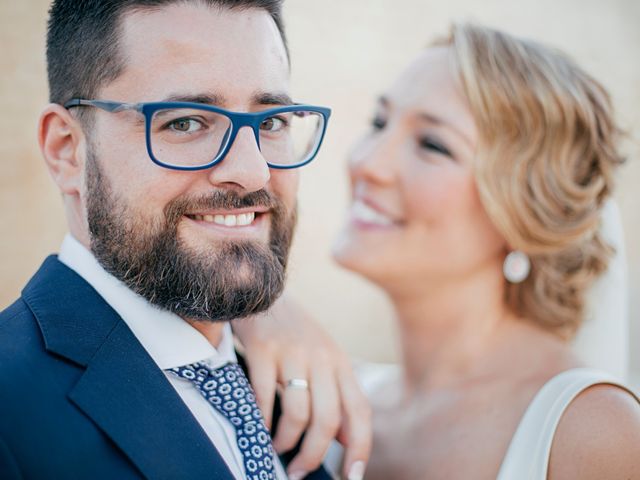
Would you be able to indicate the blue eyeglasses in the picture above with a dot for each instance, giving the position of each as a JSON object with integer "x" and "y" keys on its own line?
{"x": 194, "y": 136}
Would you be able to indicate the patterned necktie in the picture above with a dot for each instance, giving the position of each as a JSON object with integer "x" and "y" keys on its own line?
{"x": 229, "y": 391}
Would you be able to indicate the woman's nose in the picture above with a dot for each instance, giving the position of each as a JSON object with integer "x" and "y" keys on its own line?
{"x": 374, "y": 157}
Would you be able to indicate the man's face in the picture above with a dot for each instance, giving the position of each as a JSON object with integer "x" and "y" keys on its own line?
{"x": 156, "y": 228}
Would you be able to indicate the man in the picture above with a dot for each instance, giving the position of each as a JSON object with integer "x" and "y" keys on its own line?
{"x": 174, "y": 144}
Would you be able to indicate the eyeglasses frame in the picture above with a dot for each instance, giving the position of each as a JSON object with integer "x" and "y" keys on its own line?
{"x": 238, "y": 121}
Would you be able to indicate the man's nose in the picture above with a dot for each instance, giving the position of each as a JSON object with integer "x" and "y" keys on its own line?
{"x": 244, "y": 166}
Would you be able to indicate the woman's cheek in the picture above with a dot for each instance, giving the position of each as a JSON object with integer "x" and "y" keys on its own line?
{"x": 438, "y": 193}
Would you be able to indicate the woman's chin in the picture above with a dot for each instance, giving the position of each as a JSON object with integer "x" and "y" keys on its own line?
{"x": 356, "y": 257}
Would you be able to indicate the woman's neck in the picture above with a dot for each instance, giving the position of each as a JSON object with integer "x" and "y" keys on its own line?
{"x": 450, "y": 330}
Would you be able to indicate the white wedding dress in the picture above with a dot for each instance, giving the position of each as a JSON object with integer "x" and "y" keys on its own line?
{"x": 528, "y": 455}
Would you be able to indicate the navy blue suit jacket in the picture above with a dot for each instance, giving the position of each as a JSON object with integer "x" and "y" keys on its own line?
{"x": 81, "y": 398}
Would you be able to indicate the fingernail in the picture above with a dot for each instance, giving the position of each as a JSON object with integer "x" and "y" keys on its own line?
{"x": 299, "y": 475}
{"x": 356, "y": 472}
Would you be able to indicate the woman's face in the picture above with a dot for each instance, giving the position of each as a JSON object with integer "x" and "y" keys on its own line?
{"x": 415, "y": 212}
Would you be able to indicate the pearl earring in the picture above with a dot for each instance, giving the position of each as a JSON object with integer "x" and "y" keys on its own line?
{"x": 516, "y": 266}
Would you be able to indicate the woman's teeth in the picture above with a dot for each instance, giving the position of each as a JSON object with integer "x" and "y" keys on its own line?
{"x": 241, "y": 220}
{"x": 364, "y": 213}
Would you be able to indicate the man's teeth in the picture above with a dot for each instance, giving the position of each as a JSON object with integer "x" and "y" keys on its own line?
{"x": 241, "y": 220}
{"x": 361, "y": 211}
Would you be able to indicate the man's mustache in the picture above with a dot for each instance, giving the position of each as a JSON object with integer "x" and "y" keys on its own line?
{"x": 223, "y": 200}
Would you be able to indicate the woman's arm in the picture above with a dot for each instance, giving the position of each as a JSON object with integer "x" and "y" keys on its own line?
{"x": 598, "y": 437}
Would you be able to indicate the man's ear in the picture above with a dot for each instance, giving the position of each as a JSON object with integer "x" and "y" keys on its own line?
{"x": 63, "y": 146}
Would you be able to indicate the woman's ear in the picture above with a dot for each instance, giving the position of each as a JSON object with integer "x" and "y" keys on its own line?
{"x": 62, "y": 143}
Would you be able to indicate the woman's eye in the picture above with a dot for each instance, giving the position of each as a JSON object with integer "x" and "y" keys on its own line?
{"x": 378, "y": 123}
{"x": 273, "y": 124}
{"x": 185, "y": 125}
{"x": 429, "y": 144}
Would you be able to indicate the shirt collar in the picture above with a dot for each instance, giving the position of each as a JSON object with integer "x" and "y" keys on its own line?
{"x": 168, "y": 339}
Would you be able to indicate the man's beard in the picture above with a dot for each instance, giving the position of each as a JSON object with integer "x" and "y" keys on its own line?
{"x": 232, "y": 280}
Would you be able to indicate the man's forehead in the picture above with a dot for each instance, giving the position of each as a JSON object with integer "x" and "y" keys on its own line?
{"x": 193, "y": 49}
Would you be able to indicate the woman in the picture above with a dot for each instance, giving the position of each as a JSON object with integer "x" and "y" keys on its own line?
{"x": 477, "y": 199}
{"x": 489, "y": 154}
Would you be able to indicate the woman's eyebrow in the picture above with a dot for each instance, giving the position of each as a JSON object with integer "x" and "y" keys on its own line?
{"x": 441, "y": 122}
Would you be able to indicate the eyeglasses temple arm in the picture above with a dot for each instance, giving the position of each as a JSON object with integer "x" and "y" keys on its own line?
{"x": 104, "y": 105}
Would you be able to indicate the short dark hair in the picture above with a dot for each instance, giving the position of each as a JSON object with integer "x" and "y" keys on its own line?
{"x": 83, "y": 39}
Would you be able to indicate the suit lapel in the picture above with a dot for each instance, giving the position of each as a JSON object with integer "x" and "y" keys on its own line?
{"x": 125, "y": 393}
{"x": 122, "y": 389}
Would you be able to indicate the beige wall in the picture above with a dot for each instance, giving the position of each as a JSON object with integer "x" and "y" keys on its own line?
{"x": 344, "y": 53}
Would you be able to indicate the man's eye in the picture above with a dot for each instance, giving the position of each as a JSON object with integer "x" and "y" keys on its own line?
{"x": 185, "y": 125}
{"x": 273, "y": 124}
{"x": 431, "y": 145}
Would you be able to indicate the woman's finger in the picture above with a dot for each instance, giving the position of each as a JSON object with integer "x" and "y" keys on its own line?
{"x": 295, "y": 402}
{"x": 356, "y": 430}
{"x": 263, "y": 378}
{"x": 325, "y": 420}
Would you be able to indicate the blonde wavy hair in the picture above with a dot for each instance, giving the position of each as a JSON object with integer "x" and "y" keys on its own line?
{"x": 544, "y": 165}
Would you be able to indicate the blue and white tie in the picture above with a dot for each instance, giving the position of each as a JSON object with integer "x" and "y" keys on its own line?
{"x": 229, "y": 391}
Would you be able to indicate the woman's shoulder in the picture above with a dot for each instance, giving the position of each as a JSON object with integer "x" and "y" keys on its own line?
{"x": 578, "y": 424}
{"x": 375, "y": 376}
{"x": 600, "y": 431}
{"x": 382, "y": 383}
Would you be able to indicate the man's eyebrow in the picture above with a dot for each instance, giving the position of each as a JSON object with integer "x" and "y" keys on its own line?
{"x": 204, "y": 98}
{"x": 268, "y": 98}
{"x": 260, "y": 98}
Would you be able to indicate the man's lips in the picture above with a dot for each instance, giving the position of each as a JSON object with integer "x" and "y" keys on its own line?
{"x": 229, "y": 218}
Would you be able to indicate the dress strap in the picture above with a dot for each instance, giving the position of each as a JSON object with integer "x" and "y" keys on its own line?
{"x": 528, "y": 455}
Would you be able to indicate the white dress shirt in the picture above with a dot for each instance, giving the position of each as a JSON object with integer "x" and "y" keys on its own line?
{"x": 171, "y": 342}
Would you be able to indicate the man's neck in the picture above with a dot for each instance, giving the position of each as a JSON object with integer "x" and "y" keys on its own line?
{"x": 212, "y": 331}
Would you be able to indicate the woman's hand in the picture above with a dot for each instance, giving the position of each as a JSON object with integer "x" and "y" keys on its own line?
{"x": 286, "y": 344}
